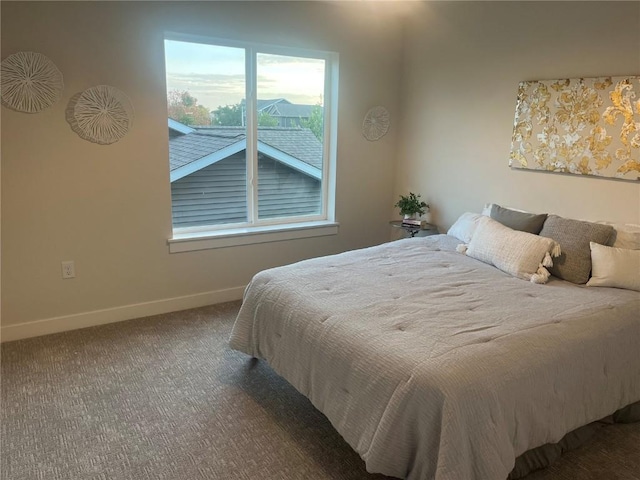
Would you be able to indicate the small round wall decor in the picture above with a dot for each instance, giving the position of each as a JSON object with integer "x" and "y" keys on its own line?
{"x": 375, "y": 124}
{"x": 30, "y": 82}
{"x": 101, "y": 114}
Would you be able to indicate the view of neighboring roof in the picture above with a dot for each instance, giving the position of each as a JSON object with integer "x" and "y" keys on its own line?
{"x": 180, "y": 127}
{"x": 292, "y": 110}
{"x": 188, "y": 152}
{"x": 188, "y": 148}
{"x": 262, "y": 104}
{"x": 281, "y": 107}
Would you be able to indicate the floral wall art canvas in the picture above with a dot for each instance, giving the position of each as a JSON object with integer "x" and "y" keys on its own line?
{"x": 583, "y": 126}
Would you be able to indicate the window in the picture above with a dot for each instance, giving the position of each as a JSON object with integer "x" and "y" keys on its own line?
{"x": 251, "y": 137}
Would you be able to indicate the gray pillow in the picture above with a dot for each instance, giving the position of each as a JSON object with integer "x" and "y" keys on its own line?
{"x": 525, "y": 222}
{"x": 574, "y": 264}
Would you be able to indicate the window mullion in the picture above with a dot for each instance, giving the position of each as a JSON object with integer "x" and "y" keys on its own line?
{"x": 252, "y": 135}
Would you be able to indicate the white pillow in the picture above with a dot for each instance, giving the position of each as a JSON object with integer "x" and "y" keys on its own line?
{"x": 521, "y": 254}
{"x": 464, "y": 226}
{"x": 627, "y": 236}
{"x": 614, "y": 267}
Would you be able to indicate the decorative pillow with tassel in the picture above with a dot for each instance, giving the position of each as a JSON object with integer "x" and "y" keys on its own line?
{"x": 521, "y": 254}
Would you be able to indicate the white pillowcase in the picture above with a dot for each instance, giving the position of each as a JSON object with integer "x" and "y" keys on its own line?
{"x": 521, "y": 254}
{"x": 614, "y": 267}
{"x": 627, "y": 236}
{"x": 464, "y": 226}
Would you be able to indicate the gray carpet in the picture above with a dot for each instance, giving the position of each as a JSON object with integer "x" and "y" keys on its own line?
{"x": 165, "y": 398}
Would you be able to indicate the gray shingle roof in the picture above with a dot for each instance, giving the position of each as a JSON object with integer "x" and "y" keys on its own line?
{"x": 294, "y": 110}
{"x": 299, "y": 143}
{"x": 262, "y": 104}
{"x": 184, "y": 149}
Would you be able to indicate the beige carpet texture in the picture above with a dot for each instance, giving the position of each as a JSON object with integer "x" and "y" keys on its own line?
{"x": 165, "y": 398}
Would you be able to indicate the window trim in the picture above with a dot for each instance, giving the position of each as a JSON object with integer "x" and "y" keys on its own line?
{"x": 270, "y": 229}
{"x": 233, "y": 237}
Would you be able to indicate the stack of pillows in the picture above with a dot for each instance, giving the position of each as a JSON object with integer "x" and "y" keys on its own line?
{"x": 533, "y": 246}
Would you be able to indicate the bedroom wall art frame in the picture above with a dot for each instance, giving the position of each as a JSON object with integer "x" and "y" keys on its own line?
{"x": 581, "y": 126}
{"x": 30, "y": 82}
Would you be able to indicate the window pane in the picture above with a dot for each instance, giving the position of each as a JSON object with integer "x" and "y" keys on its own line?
{"x": 290, "y": 130}
{"x": 207, "y": 133}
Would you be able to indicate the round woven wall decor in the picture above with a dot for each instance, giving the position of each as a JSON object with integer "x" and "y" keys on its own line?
{"x": 102, "y": 114}
{"x": 375, "y": 124}
{"x": 30, "y": 82}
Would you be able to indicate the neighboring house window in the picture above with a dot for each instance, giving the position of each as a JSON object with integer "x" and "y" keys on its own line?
{"x": 251, "y": 134}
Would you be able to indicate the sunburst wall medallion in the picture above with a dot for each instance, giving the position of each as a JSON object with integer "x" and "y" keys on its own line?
{"x": 375, "y": 124}
{"x": 101, "y": 114}
{"x": 30, "y": 82}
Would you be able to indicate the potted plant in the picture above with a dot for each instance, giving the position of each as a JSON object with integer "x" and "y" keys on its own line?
{"x": 411, "y": 205}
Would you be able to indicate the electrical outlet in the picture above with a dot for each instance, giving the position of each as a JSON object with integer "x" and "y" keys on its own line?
{"x": 68, "y": 269}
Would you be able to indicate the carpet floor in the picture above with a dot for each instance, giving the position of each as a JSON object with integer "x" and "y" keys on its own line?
{"x": 164, "y": 397}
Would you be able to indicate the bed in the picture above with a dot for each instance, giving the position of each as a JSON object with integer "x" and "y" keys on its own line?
{"x": 434, "y": 365}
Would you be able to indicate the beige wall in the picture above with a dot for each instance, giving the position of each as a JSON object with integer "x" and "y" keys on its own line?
{"x": 463, "y": 63}
{"x": 108, "y": 207}
{"x": 450, "y": 88}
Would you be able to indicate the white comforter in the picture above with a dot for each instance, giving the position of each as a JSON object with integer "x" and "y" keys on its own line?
{"x": 433, "y": 365}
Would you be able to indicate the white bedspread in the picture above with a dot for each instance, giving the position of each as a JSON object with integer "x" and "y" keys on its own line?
{"x": 433, "y": 365}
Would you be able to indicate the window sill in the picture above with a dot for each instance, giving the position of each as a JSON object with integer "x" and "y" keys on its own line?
{"x": 187, "y": 242}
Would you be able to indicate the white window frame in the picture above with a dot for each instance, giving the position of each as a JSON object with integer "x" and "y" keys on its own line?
{"x": 273, "y": 229}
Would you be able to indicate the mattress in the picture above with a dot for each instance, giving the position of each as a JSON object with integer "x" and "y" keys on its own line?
{"x": 433, "y": 365}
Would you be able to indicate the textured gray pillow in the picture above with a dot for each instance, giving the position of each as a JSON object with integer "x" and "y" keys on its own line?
{"x": 525, "y": 222}
{"x": 574, "y": 265}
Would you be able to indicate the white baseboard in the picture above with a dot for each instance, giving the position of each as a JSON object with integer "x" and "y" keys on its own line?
{"x": 116, "y": 314}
